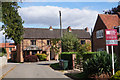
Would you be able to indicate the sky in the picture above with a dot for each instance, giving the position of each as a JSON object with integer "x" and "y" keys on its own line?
{"x": 78, "y": 15}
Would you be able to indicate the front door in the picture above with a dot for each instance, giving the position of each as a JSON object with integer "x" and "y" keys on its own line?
{"x": 52, "y": 55}
{"x": 34, "y": 52}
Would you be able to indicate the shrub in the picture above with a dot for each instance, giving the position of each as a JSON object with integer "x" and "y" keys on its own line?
{"x": 1, "y": 54}
{"x": 41, "y": 57}
{"x": 116, "y": 76}
{"x": 31, "y": 58}
{"x": 99, "y": 63}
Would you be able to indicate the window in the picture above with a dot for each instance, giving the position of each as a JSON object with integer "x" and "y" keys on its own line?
{"x": 99, "y": 34}
{"x": 100, "y": 49}
{"x": 82, "y": 41}
{"x": 118, "y": 29}
{"x": 33, "y": 42}
{"x": 48, "y": 42}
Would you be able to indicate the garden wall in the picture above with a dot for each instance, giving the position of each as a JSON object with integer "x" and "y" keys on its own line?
{"x": 3, "y": 61}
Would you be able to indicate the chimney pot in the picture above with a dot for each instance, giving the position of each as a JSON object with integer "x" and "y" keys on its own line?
{"x": 86, "y": 29}
{"x": 50, "y": 28}
{"x": 69, "y": 29}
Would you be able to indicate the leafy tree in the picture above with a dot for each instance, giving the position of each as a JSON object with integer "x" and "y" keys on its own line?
{"x": 114, "y": 10}
{"x": 70, "y": 42}
{"x": 12, "y": 21}
{"x": 55, "y": 45}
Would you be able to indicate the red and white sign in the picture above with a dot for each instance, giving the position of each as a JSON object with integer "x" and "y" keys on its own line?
{"x": 111, "y": 37}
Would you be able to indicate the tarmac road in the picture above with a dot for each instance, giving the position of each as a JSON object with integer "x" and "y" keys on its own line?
{"x": 34, "y": 70}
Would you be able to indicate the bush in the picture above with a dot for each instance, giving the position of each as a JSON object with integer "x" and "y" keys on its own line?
{"x": 99, "y": 63}
{"x": 41, "y": 57}
{"x": 31, "y": 58}
{"x": 116, "y": 76}
{"x": 1, "y": 54}
{"x": 4, "y": 50}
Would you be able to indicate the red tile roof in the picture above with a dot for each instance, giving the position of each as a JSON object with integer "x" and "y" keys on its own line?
{"x": 8, "y": 45}
{"x": 110, "y": 20}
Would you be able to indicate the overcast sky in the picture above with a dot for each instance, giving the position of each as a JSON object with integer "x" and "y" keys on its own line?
{"x": 78, "y": 15}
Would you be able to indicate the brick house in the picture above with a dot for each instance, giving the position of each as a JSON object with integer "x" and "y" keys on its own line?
{"x": 105, "y": 21}
{"x": 38, "y": 41}
{"x": 9, "y": 48}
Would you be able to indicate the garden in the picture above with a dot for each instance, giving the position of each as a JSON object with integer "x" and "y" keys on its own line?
{"x": 96, "y": 65}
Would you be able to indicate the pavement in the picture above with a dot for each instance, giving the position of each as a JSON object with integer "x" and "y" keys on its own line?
{"x": 36, "y": 71}
{"x": 5, "y": 69}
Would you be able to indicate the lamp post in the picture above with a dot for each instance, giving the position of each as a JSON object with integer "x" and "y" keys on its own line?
{"x": 60, "y": 30}
{"x": 60, "y": 25}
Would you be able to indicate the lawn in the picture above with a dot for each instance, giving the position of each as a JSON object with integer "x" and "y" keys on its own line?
{"x": 77, "y": 76}
{"x": 55, "y": 66}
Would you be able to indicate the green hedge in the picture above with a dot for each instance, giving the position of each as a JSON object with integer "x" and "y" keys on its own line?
{"x": 69, "y": 58}
{"x": 88, "y": 55}
{"x": 69, "y": 52}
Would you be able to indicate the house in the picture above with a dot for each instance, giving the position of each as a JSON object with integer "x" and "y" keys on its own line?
{"x": 9, "y": 48}
{"x": 38, "y": 41}
{"x": 105, "y": 21}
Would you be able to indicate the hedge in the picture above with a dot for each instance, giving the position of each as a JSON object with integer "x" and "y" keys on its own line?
{"x": 69, "y": 52}
{"x": 88, "y": 55}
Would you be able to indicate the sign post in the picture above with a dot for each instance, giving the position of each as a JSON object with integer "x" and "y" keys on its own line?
{"x": 111, "y": 40}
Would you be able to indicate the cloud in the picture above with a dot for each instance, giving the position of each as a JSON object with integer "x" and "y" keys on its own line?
{"x": 49, "y": 16}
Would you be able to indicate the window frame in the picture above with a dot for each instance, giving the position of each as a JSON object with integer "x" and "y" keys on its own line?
{"x": 33, "y": 42}
{"x": 82, "y": 42}
{"x": 48, "y": 43}
{"x": 100, "y": 34}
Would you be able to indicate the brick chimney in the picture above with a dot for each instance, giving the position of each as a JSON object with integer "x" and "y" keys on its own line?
{"x": 86, "y": 29}
{"x": 69, "y": 29}
{"x": 50, "y": 28}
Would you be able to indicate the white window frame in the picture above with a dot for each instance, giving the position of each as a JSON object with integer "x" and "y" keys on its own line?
{"x": 99, "y": 34}
{"x": 100, "y": 49}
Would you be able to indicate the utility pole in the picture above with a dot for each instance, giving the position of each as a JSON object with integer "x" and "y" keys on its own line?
{"x": 60, "y": 25}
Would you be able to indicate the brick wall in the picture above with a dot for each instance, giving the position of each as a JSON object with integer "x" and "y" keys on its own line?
{"x": 98, "y": 43}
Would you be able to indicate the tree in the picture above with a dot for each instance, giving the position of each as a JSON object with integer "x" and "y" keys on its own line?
{"x": 70, "y": 42}
{"x": 114, "y": 10}
{"x": 55, "y": 45}
{"x": 12, "y": 22}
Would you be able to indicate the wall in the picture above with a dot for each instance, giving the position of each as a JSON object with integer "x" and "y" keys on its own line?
{"x": 3, "y": 61}
{"x": 98, "y": 43}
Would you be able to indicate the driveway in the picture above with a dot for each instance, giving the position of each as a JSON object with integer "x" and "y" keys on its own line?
{"x": 35, "y": 70}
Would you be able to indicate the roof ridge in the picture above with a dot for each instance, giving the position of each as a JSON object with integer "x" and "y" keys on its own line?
{"x": 53, "y": 28}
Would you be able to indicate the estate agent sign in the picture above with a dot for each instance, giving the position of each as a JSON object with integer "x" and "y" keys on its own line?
{"x": 111, "y": 37}
{"x": 111, "y": 40}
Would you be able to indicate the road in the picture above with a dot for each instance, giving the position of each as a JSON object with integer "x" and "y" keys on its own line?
{"x": 34, "y": 70}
